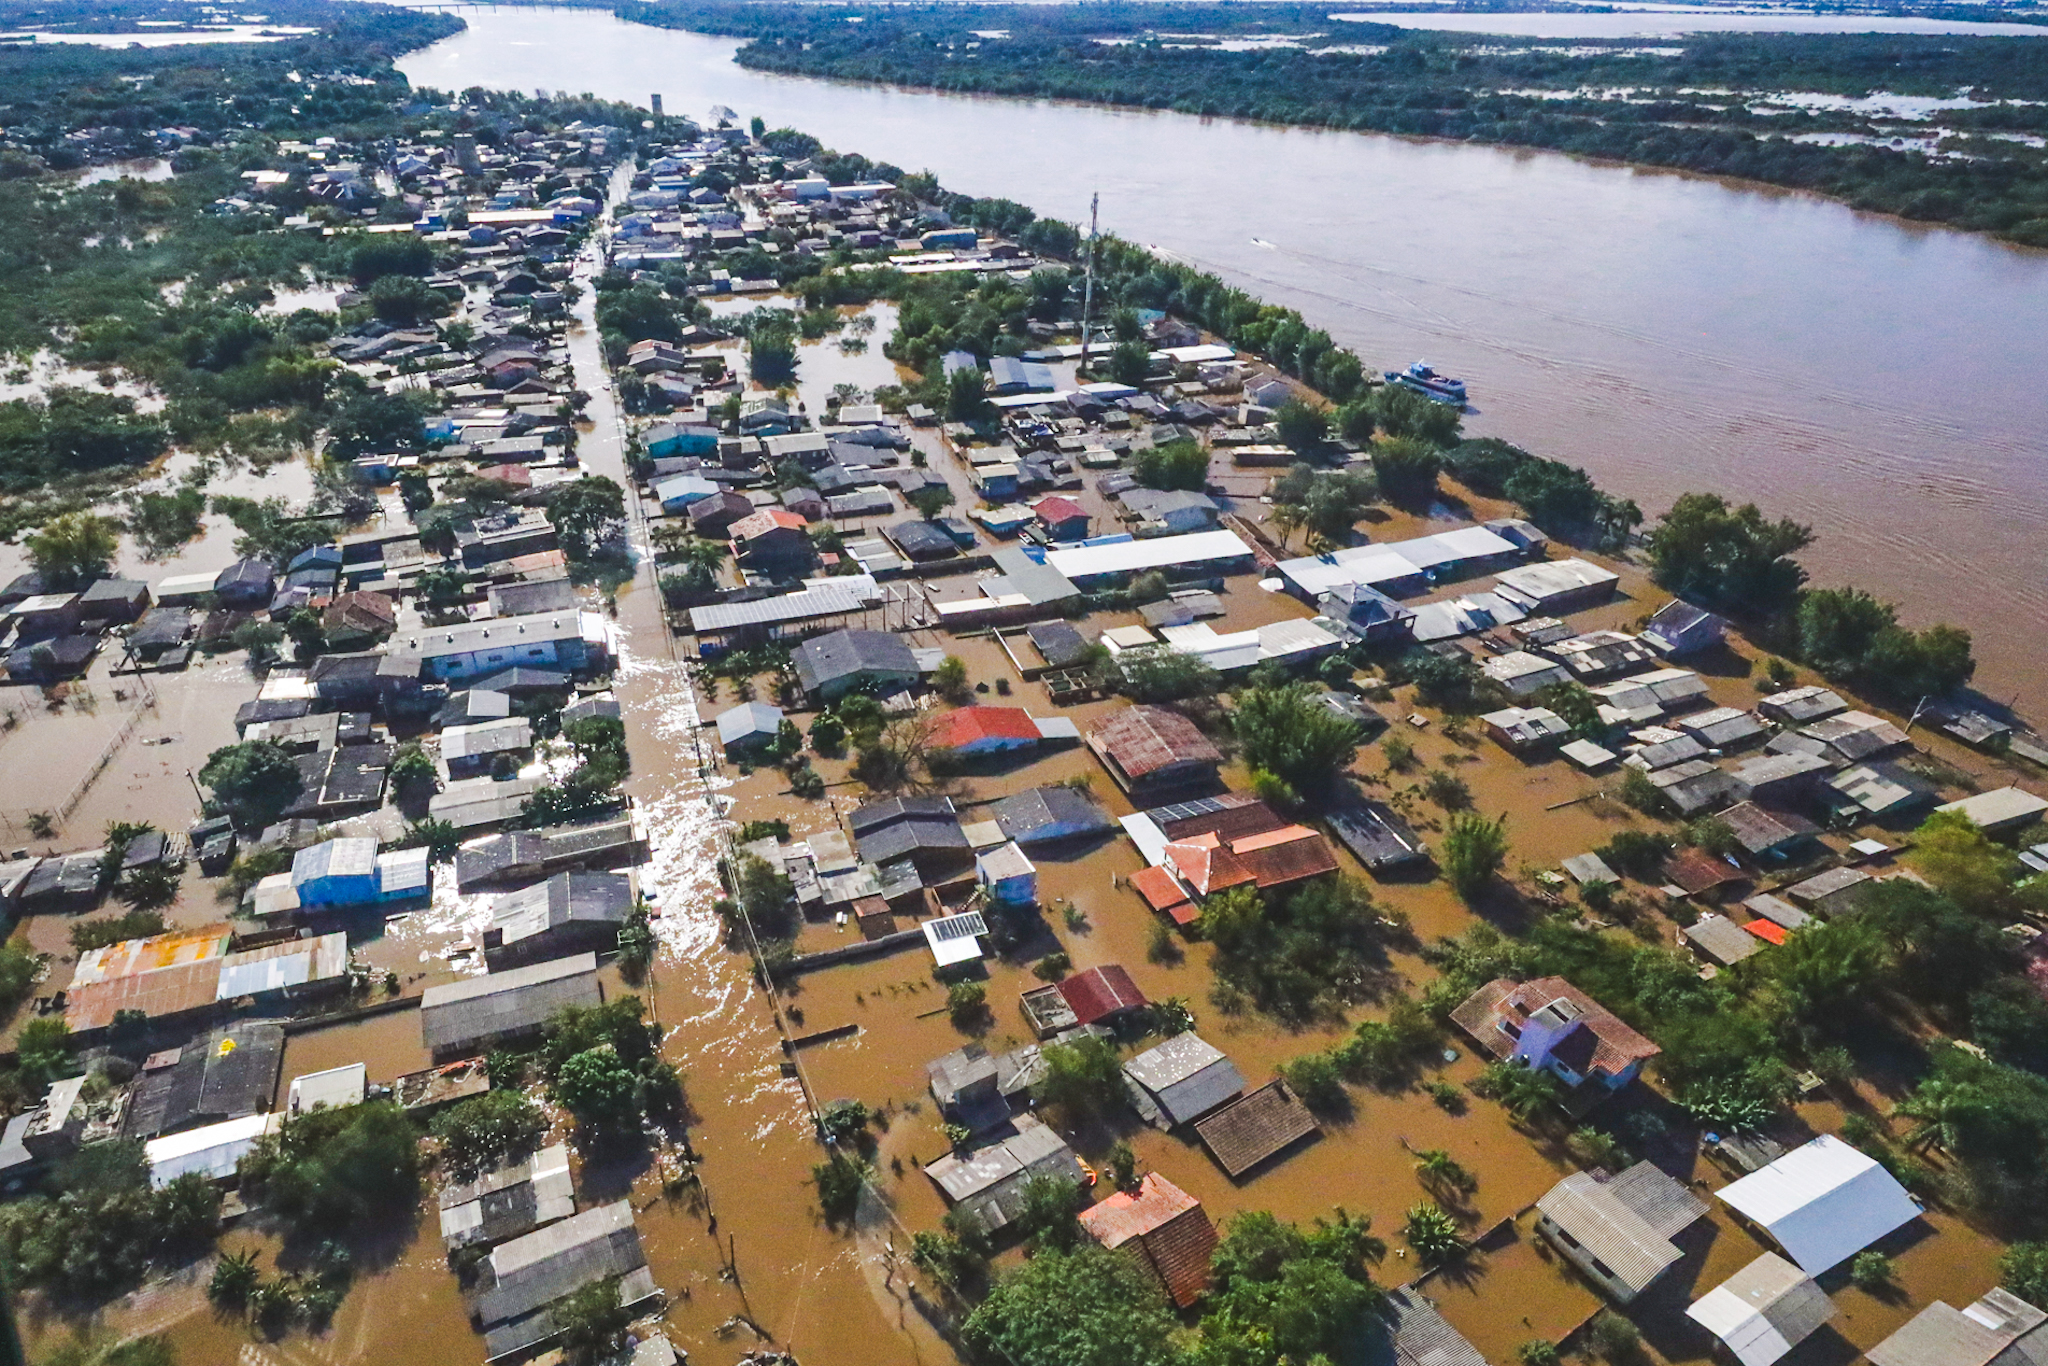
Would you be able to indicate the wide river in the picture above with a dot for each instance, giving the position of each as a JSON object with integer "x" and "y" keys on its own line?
{"x": 1884, "y": 382}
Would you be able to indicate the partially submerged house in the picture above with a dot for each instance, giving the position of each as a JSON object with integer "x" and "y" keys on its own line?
{"x": 1044, "y": 815}
{"x": 1181, "y": 1080}
{"x": 521, "y": 1280}
{"x": 1152, "y": 748}
{"x": 1164, "y": 1229}
{"x": 1256, "y": 1128}
{"x": 466, "y": 1017}
{"x": 1822, "y": 1203}
{"x": 988, "y": 1183}
{"x": 1617, "y": 1230}
{"x": 567, "y": 913}
{"x": 1551, "y": 1025}
{"x": 830, "y": 666}
{"x": 510, "y": 1200}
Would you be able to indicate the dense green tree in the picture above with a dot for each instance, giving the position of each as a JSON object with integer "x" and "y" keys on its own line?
{"x": 589, "y": 515}
{"x": 478, "y": 1133}
{"x": 1473, "y": 851}
{"x": 1287, "y": 731}
{"x": 1172, "y": 465}
{"x": 600, "y": 1090}
{"x": 1406, "y": 467}
{"x": 1301, "y": 424}
{"x": 73, "y": 548}
{"x": 1089, "y": 1307}
{"x": 336, "y": 1169}
{"x": 1732, "y": 557}
{"x": 1084, "y": 1077}
{"x": 254, "y": 780}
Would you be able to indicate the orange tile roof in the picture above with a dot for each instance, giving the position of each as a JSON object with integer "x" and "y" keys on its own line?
{"x": 1770, "y": 931}
{"x": 967, "y": 725}
{"x": 1271, "y": 858}
{"x": 1162, "y": 893}
{"x": 764, "y": 521}
{"x": 1208, "y": 868}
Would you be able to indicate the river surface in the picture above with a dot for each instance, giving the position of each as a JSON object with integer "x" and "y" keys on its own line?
{"x": 1674, "y": 21}
{"x": 1878, "y": 380}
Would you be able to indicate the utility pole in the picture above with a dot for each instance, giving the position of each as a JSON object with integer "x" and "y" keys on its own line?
{"x": 1088, "y": 282}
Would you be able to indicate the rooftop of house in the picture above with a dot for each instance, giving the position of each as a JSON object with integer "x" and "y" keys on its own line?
{"x": 1143, "y": 740}
{"x": 1609, "y": 1046}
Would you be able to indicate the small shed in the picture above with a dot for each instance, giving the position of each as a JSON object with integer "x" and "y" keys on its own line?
{"x": 749, "y": 726}
{"x": 1101, "y": 995}
{"x": 1720, "y": 940}
{"x": 1008, "y": 874}
{"x": 1764, "y": 1310}
{"x": 333, "y": 1089}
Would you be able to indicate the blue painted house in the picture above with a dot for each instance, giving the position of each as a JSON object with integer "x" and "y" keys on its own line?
{"x": 665, "y": 440}
{"x": 340, "y": 872}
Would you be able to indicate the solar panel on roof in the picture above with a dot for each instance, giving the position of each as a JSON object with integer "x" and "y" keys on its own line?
{"x": 958, "y": 926}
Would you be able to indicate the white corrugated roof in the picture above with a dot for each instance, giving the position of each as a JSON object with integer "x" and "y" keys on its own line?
{"x": 1157, "y": 553}
{"x": 212, "y": 1151}
{"x": 1823, "y": 1202}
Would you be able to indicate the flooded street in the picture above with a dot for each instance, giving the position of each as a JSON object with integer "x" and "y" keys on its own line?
{"x": 1873, "y": 378}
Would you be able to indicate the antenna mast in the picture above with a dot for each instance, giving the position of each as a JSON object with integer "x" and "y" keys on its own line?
{"x": 1088, "y": 286}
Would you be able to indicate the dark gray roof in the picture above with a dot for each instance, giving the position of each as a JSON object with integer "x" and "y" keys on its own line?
{"x": 533, "y": 1271}
{"x": 209, "y": 1083}
{"x": 563, "y": 900}
{"x": 846, "y": 654}
{"x": 922, "y": 540}
{"x": 479, "y": 1008}
{"x": 911, "y": 834}
{"x": 1048, "y": 813}
{"x": 877, "y": 814}
{"x": 1059, "y": 642}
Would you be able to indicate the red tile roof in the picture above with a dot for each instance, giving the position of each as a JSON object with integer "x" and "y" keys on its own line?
{"x": 1170, "y": 1228}
{"x": 1144, "y": 740}
{"x": 1100, "y": 993}
{"x": 966, "y": 725}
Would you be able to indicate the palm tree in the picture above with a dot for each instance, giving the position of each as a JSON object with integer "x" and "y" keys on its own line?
{"x": 1943, "y": 1108}
{"x": 1433, "y": 1234}
{"x": 1523, "y": 1091}
{"x": 1441, "y": 1172}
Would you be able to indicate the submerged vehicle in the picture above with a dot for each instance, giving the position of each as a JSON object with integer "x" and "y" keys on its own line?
{"x": 1430, "y": 384}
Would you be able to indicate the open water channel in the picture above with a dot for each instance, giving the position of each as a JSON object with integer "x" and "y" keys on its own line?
{"x": 1876, "y": 379}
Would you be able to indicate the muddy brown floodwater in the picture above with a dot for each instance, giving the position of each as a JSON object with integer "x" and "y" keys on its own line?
{"x": 752, "y": 1245}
